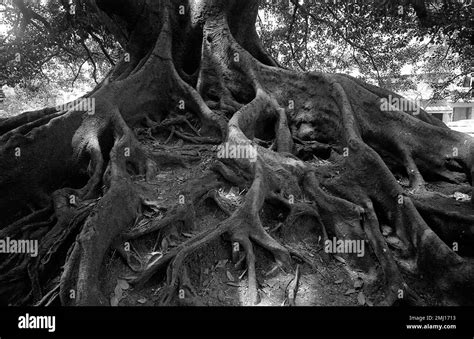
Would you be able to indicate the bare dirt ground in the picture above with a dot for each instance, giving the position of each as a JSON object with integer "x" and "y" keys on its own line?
{"x": 324, "y": 280}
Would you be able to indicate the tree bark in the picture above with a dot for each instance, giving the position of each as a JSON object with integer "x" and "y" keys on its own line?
{"x": 68, "y": 176}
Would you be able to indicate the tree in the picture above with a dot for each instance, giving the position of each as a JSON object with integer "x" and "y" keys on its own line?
{"x": 198, "y": 69}
{"x": 375, "y": 38}
{"x": 40, "y": 37}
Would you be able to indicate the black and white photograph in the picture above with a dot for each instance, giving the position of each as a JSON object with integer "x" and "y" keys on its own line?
{"x": 172, "y": 166}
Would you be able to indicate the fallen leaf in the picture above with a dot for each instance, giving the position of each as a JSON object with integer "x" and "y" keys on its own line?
{"x": 123, "y": 284}
{"x": 142, "y": 301}
{"x": 394, "y": 241}
{"x": 361, "y": 299}
{"x": 338, "y": 258}
{"x": 339, "y": 281}
{"x": 369, "y": 303}
{"x": 386, "y": 230}
{"x": 164, "y": 244}
{"x": 130, "y": 278}
{"x": 187, "y": 235}
{"x": 358, "y": 283}
{"x": 230, "y": 276}
{"x": 221, "y": 296}
{"x": 350, "y": 291}
{"x": 142, "y": 223}
{"x": 155, "y": 209}
{"x": 118, "y": 292}
{"x": 221, "y": 263}
{"x": 461, "y": 196}
{"x": 234, "y": 284}
{"x": 114, "y": 301}
{"x": 147, "y": 202}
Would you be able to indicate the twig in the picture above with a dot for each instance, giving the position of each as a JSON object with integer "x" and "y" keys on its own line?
{"x": 293, "y": 287}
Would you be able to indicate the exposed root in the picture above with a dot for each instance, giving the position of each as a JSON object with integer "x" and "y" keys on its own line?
{"x": 79, "y": 282}
{"x": 181, "y": 213}
{"x": 330, "y": 155}
{"x": 133, "y": 260}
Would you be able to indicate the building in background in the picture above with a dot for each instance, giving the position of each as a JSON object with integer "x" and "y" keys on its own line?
{"x": 457, "y": 114}
{"x": 449, "y": 111}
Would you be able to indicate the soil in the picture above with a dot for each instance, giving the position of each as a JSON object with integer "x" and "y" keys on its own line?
{"x": 217, "y": 281}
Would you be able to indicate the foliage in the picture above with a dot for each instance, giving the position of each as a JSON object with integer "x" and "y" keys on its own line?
{"x": 376, "y": 41}
{"x": 43, "y": 39}
{"x": 63, "y": 41}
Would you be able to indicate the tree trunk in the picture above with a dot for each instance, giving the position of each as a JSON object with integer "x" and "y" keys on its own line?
{"x": 69, "y": 177}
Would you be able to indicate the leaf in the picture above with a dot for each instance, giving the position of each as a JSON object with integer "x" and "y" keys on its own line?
{"x": 142, "y": 300}
{"x": 339, "y": 281}
{"x": 350, "y": 291}
{"x": 394, "y": 241}
{"x": 164, "y": 245}
{"x": 386, "y": 230}
{"x": 358, "y": 283}
{"x": 461, "y": 196}
{"x": 154, "y": 208}
{"x": 338, "y": 258}
{"x": 221, "y": 263}
{"x": 142, "y": 223}
{"x": 230, "y": 276}
{"x": 123, "y": 284}
{"x": 234, "y": 284}
{"x": 130, "y": 278}
{"x": 187, "y": 235}
{"x": 118, "y": 292}
{"x": 369, "y": 303}
{"x": 114, "y": 301}
{"x": 361, "y": 298}
{"x": 151, "y": 203}
{"x": 221, "y": 296}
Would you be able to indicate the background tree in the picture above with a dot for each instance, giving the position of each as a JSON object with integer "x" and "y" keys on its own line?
{"x": 370, "y": 40}
{"x": 45, "y": 49}
{"x": 373, "y": 40}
